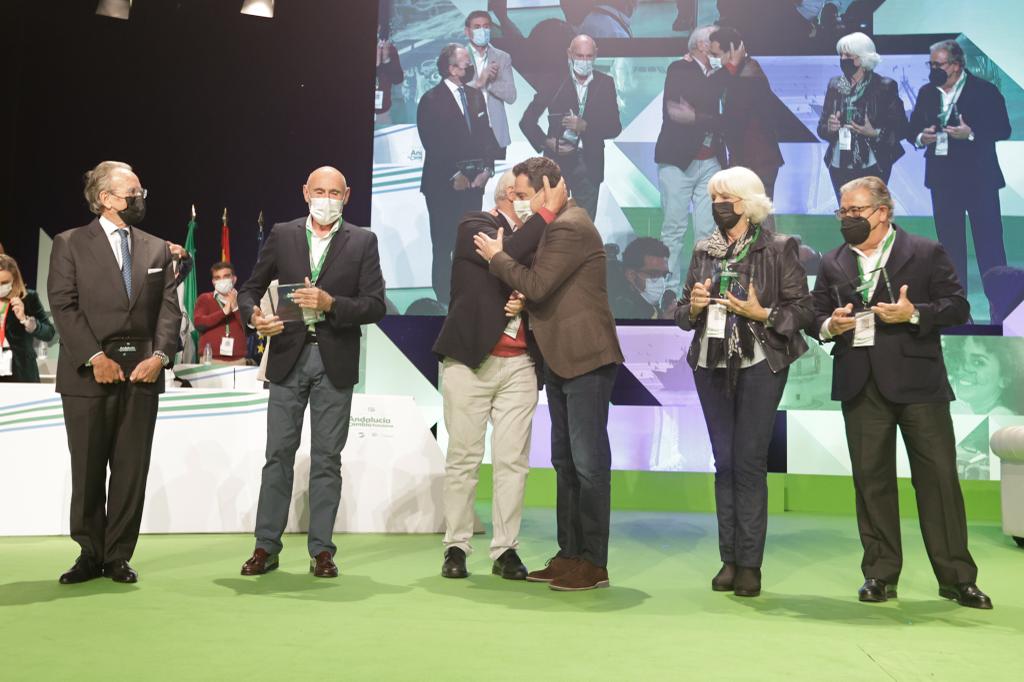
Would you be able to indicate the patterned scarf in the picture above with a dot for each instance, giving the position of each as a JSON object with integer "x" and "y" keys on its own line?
{"x": 739, "y": 340}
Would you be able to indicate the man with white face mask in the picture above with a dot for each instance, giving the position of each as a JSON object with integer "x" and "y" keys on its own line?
{"x": 645, "y": 274}
{"x": 314, "y": 360}
{"x": 582, "y": 111}
{"x": 217, "y": 318}
{"x": 492, "y": 75}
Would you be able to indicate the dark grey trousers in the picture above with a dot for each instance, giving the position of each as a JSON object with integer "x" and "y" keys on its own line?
{"x": 329, "y": 409}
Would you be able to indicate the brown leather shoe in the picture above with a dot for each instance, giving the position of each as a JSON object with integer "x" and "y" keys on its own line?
{"x": 323, "y": 566}
{"x": 587, "y": 576}
{"x": 555, "y": 567}
{"x": 259, "y": 563}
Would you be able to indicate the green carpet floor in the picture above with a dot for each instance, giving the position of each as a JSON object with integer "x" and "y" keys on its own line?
{"x": 392, "y": 617}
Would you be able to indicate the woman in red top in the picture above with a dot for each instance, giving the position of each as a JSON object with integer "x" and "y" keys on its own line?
{"x": 217, "y": 318}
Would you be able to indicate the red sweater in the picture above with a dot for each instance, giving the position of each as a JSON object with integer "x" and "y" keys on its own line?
{"x": 210, "y": 320}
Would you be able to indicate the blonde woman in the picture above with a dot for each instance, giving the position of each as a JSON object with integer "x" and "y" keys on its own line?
{"x": 22, "y": 319}
{"x": 746, "y": 300}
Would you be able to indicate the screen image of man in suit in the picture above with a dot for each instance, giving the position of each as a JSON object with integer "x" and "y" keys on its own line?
{"x": 112, "y": 297}
{"x": 957, "y": 119}
{"x": 459, "y": 150}
{"x": 494, "y": 79}
{"x": 567, "y": 299}
{"x": 490, "y": 362}
{"x": 582, "y": 112}
{"x": 889, "y": 372}
{"x": 314, "y": 361}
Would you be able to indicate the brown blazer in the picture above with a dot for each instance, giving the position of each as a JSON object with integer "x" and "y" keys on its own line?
{"x": 566, "y": 295}
{"x": 89, "y": 303}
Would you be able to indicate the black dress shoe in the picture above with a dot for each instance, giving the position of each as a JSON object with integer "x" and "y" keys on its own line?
{"x": 966, "y": 594}
{"x": 120, "y": 572}
{"x": 723, "y": 582}
{"x": 509, "y": 566}
{"x": 454, "y": 563}
{"x": 876, "y": 591}
{"x": 747, "y": 582}
{"x": 83, "y": 570}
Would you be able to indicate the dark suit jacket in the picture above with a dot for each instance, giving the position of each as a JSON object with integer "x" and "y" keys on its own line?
{"x": 906, "y": 360}
{"x": 601, "y": 114}
{"x": 881, "y": 104}
{"x": 567, "y": 296}
{"x": 476, "y": 316}
{"x": 445, "y": 138}
{"x": 351, "y": 274}
{"x": 24, "y": 355}
{"x": 973, "y": 164}
{"x": 751, "y": 133}
{"x": 678, "y": 143}
{"x": 89, "y": 303}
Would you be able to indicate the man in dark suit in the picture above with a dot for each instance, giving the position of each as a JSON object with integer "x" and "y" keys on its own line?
{"x": 957, "y": 119}
{"x": 459, "y": 150}
{"x": 567, "y": 299}
{"x": 111, "y": 291}
{"x": 314, "y": 361}
{"x": 491, "y": 364}
{"x": 889, "y": 373}
{"x": 583, "y": 112}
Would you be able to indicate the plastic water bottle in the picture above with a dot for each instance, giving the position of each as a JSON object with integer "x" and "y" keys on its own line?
{"x": 207, "y": 355}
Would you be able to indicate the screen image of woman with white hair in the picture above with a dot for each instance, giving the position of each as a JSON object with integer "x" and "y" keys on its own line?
{"x": 746, "y": 300}
{"x": 863, "y": 118}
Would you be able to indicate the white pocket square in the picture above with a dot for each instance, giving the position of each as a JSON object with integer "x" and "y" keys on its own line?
{"x": 150, "y": 271}
{"x": 480, "y": 114}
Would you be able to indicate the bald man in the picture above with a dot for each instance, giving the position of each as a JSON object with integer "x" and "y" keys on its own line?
{"x": 314, "y": 360}
{"x": 582, "y": 112}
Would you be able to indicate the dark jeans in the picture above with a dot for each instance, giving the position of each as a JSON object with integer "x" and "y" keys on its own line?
{"x": 114, "y": 430}
{"x": 927, "y": 429}
{"x": 577, "y": 179}
{"x": 329, "y": 410}
{"x": 740, "y": 426}
{"x": 582, "y": 459}
{"x": 950, "y": 206}
{"x": 445, "y": 210}
{"x": 841, "y": 176}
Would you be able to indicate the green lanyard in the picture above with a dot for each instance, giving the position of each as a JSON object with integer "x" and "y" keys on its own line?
{"x": 583, "y": 102}
{"x": 727, "y": 274}
{"x": 315, "y": 268}
{"x": 946, "y": 111}
{"x": 866, "y": 293}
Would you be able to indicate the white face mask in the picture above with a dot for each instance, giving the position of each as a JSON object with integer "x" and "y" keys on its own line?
{"x": 224, "y": 286}
{"x": 715, "y": 63}
{"x": 325, "y": 210}
{"x": 654, "y": 290}
{"x": 582, "y": 67}
{"x": 522, "y": 209}
{"x": 5, "y": 289}
{"x": 481, "y": 37}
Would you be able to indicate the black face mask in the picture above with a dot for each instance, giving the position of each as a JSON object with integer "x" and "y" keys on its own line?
{"x": 468, "y": 76}
{"x": 856, "y": 229}
{"x": 848, "y": 68}
{"x": 725, "y": 217}
{"x": 938, "y": 77}
{"x": 135, "y": 212}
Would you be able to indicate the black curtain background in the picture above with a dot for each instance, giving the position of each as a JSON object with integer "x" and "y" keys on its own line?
{"x": 209, "y": 106}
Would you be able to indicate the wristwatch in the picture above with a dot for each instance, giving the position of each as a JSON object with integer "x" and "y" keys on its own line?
{"x": 970, "y": 137}
{"x": 915, "y": 318}
{"x": 164, "y": 360}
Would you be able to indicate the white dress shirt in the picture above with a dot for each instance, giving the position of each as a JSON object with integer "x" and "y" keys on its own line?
{"x": 948, "y": 98}
{"x": 581, "y": 87}
{"x": 480, "y": 62}
{"x": 319, "y": 244}
{"x": 867, "y": 264}
{"x": 455, "y": 93}
{"x": 114, "y": 237}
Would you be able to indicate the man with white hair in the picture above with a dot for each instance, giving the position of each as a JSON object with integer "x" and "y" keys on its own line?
{"x": 863, "y": 117}
{"x": 582, "y": 111}
{"x": 690, "y": 147}
{"x": 490, "y": 362}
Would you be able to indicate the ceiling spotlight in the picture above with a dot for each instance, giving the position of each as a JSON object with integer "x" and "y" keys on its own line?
{"x": 258, "y": 8}
{"x": 116, "y": 9}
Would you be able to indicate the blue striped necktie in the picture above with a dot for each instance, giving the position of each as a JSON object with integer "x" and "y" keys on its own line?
{"x": 126, "y": 261}
{"x": 465, "y": 109}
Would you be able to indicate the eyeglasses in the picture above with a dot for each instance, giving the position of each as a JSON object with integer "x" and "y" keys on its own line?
{"x": 140, "y": 193}
{"x": 851, "y": 210}
{"x": 936, "y": 65}
{"x": 655, "y": 274}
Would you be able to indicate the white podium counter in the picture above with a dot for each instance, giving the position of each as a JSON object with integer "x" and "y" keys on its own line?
{"x": 208, "y": 453}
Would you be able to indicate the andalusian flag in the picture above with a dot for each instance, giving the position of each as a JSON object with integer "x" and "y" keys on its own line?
{"x": 225, "y": 240}
{"x": 191, "y": 290}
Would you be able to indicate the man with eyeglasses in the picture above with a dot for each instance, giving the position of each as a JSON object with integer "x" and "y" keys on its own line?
{"x": 313, "y": 360}
{"x": 111, "y": 291}
{"x": 957, "y": 120}
{"x": 639, "y": 293}
{"x": 883, "y": 297}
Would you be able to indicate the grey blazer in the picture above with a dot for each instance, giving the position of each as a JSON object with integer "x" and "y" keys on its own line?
{"x": 500, "y": 91}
